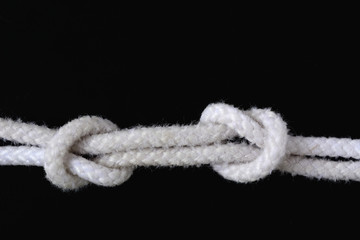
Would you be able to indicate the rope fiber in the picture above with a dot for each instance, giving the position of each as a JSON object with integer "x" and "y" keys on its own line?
{"x": 116, "y": 153}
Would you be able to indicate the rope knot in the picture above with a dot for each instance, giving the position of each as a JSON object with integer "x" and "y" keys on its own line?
{"x": 116, "y": 153}
{"x": 261, "y": 127}
{"x": 57, "y": 154}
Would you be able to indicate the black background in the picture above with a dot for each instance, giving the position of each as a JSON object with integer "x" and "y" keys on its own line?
{"x": 160, "y": 64}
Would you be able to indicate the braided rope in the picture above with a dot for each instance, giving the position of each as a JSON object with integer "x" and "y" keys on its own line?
{"x": 116, "y": 153}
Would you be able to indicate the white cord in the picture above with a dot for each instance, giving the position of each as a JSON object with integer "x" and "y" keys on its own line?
{"x": 117, "y": 152}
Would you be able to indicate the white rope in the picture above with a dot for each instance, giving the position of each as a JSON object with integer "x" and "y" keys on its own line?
{"x": 116, "y": 153}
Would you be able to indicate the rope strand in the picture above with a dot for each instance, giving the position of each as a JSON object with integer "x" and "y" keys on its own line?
{"x": 116, "y": 153}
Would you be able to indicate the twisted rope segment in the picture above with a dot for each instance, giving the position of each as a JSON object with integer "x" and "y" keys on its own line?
{"x": 118, "y": 152}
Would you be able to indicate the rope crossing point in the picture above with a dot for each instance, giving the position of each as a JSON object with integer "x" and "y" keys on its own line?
{"x": 116, "y": 153}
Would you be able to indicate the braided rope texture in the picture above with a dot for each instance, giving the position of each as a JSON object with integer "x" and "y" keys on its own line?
{"x": 116, "y": 153}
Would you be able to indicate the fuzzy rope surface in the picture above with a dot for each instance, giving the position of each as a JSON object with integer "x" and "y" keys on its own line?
{"x": 116, "y": 153}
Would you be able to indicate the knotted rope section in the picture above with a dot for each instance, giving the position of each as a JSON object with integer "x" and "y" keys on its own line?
{"x": 116, "y": 153}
